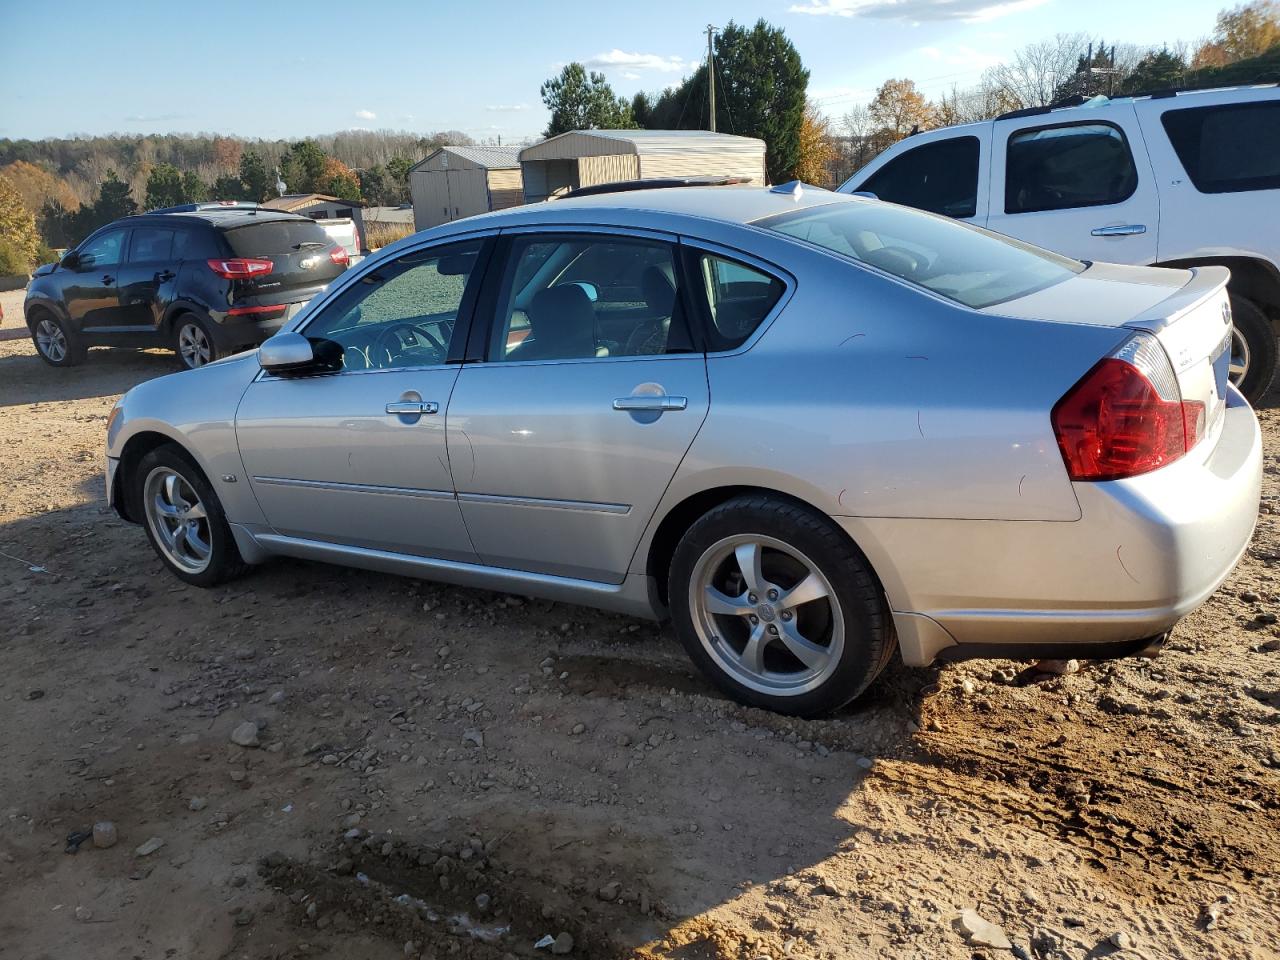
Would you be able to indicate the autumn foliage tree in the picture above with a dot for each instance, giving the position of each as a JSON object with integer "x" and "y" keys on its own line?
{"x": 816, "y": 151}
{"x": 18, "y": 237}
{"x": 1240, "y": 33}
{"x": 898, "y": 108}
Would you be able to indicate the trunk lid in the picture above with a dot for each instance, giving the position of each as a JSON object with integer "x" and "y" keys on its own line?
{"x": 1186, "y": 310}
{"x": 299, "y": 253}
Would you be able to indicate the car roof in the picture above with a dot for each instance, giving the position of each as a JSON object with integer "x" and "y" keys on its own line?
{"x": 226, "y": 219}
{"x": 727, "y": 204}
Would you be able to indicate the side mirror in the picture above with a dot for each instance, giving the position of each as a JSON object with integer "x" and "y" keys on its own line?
{"x": 287, "y": 353}
{"x": 70, "y": 260}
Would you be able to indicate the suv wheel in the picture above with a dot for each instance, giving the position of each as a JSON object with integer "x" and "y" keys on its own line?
{"x": 193, "y": 342}
{"x": 778, "y": 608}
{"x": 1253, "y": 349}
{"x": 184, "y": 518}
{"x": 55, "y": 342}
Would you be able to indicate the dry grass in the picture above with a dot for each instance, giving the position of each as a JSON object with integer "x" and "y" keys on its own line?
{"x": 380, "y": 233}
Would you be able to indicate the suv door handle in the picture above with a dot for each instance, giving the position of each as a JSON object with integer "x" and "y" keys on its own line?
{"x": 412, "y": 407}
{"x": 660, "y": 403}
{"x": 1125, "y": 230}
{"x": 164, "y": 276}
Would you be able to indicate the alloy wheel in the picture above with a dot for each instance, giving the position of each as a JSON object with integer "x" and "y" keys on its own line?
{"x": 766, "y": 614}
{"x": 51, "y": 341}
{"x": 194, "y": 346}
{"x": 1240, "y": 357}
{"x": 177, "y": 519}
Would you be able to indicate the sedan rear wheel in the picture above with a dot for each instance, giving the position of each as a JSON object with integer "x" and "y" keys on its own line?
{"x": 778, "y": 607}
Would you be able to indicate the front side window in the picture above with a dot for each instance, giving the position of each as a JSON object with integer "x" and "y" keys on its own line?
{"x": 1059, "y": 168}
{"x": 103, "y": 250}
{"x": 582, "y": 297}
{"x": 955, "y": 260}
{"x": 941, "y": 177}
{"x": 150, "y": 244}
{"x": 738, "y": 299}
{"x": 403, "y": 313}
{"x": 1228, "y": 149}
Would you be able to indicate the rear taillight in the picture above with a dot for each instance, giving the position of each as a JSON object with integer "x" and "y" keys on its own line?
{"x": 241, "y": 268}
{"x": 1126, "y": 416}
{"x": 340, "y": 256}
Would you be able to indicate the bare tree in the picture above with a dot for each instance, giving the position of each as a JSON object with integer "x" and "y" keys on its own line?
{"x": 1037, "y": 70}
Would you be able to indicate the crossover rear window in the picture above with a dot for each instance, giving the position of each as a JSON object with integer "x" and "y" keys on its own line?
{"x": 275, "y": 237}
{"x": 962, "y": 263}
{"x": 1228, "y": 149}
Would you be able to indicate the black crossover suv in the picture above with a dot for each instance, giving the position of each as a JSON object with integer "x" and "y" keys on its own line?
{"x": 204, "y": 279}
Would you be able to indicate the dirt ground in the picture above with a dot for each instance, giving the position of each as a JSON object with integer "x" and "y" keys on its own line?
{"x": 453, "y": 773}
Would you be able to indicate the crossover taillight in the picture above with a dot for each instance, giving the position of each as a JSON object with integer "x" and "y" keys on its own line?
{"x": 340, "y": 256}
{"x": 1126, "y": 416}
{"x": 241, "y": 268}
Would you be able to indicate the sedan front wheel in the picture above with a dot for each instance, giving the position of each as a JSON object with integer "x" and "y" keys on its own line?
{"x": 778, "y": 607}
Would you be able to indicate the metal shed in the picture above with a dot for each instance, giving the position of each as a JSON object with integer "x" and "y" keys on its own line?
{"x": 581, "y": 158}
{"x": 455, "y": 182}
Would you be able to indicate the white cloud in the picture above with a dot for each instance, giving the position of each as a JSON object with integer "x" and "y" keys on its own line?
{"x": 630, "y": 75}
{"x": 366, "y": 115}
{"x": 637, "y": 61}
{"x": 507, "y": 108}
{"x": 960, "y": 56}
{"x": 916, "y": 11}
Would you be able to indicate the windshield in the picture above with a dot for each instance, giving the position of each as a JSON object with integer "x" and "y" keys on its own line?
{"x": 957, "y": 261}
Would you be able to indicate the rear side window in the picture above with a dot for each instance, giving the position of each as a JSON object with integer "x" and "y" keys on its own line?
{"x": 955, "y": 260}
{"x": 940, "y": 177}
{"x": 1228, "y": 149}
{"x": 738, "y": 299}
{"x": 150, "y": 244}
{"x": 1062, "y": 167}
{"x": 275, "y": 237}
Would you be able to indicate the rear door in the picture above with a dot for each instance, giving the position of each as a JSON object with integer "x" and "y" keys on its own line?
{"x": 91, "y": 292}
{"x": 564, "y": 438}
{"x": 147, "y": 278}
{"x": 1080, "y": 187}
{"x": 301, "y": 254}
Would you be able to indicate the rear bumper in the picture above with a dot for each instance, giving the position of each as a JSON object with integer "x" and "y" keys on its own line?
{"x": 1144, "y": 554}
{"x": 233, "y": 331}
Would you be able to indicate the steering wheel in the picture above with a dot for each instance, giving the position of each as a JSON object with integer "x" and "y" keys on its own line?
{"x": 405, "y": 334}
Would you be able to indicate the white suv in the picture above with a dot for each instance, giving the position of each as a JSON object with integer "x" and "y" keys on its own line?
{"x": 1168, "y": 179}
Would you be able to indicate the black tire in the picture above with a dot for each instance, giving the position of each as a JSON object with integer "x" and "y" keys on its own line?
{"x": 51, "y": 331}
{"x": 190, "y": 324}
{"x": 1255, "y": 329}
{"x": 869, "y": 639}
{"x": 224, "y": 562}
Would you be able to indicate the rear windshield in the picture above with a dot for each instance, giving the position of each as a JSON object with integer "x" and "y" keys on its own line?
{"x": 275, "y": 237}
{"x": 957, "y": 261}
{"x": 1228, "y": 149}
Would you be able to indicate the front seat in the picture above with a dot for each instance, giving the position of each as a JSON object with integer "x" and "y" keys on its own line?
{"x": 561, "y": 326}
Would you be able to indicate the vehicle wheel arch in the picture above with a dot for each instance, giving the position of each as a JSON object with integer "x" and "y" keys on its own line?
{"x": 180, "y": 308}
{"x": 677, "y": 521}
{"x": 135, "y": 448}
{"x": 41, "y": 308}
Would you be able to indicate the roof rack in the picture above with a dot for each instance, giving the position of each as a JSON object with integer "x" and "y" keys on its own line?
{"x": 658, "y": 183}
{"x": 1074, "y": 100}
{"x": 1160, "y": 93}
{"x": 211, "y": 205}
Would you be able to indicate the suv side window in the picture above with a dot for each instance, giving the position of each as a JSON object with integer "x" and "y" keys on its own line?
{"x": 102, "y": 251}
{"x": 150, "y": 244}
{"x": 941, "y": 177}
{"x": 1228, "y": 149}
{"x": 738, "y": 299}
{"x": 568, "y": 297}
{"x": 1067, "y": 166}
{"x": 195, "y": 243}
{"x": 402, "y": 314}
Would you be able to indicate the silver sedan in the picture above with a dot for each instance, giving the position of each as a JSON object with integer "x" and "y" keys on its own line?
{"x": 810, "y": 428}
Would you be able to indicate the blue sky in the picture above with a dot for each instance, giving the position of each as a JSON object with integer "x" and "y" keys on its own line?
{"x": 320, "y": 66}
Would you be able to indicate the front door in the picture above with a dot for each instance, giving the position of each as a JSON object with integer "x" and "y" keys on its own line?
{"x": 564, "y": 439}
{"x": 146, "y": 279}
{"x": 358, "y": 457}
{"x": 1077, "y": 188}
{"x": 91, "y": 292}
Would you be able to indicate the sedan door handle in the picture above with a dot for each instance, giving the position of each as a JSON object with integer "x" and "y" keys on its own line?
{"x": 651, "y": 403}
{"x": 412, "y": 407}
{"x": 1124, "y": 230}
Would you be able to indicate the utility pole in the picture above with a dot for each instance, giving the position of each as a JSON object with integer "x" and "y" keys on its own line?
{"x": 711, "y": 76}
